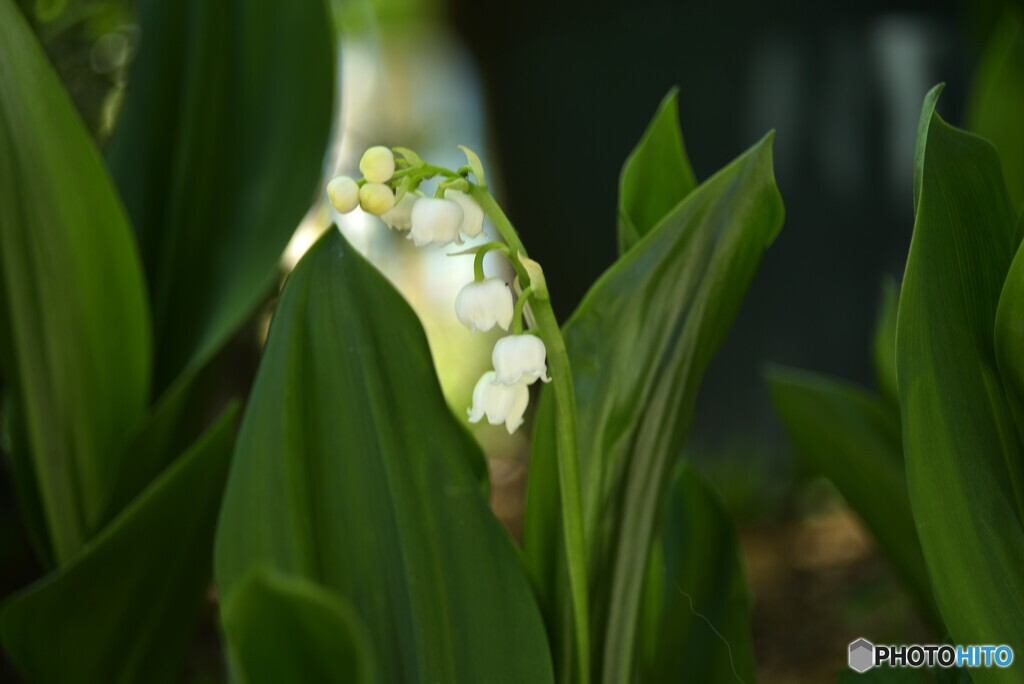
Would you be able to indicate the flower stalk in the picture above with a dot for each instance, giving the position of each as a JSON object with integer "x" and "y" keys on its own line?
{"x": 565, "y": 438}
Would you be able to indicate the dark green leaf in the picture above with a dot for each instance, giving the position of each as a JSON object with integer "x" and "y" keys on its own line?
{"x": 853, "y": 439}
{"x": 995, "y": 109}
{"x": 655, "y": 177}
{"x": 963, "y": 457}
{"x": 883, "y": 345}
{"x": 703, "y": 629}
{"x": 350, "y": 471}
{"x": 217, "y": 154}
{"x": 123, "y": 609}
{"x": 74, "y": 327}
{"x": 284, "y": 628}
{"x": 639, "y": 344}
{"x": 1009, "y": 337}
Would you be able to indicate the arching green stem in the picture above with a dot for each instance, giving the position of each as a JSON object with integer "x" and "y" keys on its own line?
{"x": 517, "y": 312}
{"x": 565, "y": 435}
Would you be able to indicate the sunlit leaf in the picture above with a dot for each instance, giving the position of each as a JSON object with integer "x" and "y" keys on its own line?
{"x": 639, "y": 344}
{"x": 655, "y": 177}
{"x": 123, "y": 609}
{"x": 74, "y": 325}
{"x": 703, "y": 630}
{"x": 963, "y": 457}
{"x": 284, "y": 628}
{"x": 350, "y": 471}
{"x": 218, "y": 153}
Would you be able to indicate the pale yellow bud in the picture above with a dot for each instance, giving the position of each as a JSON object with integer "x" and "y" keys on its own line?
{"x": 343, "y": 194}
{"x": 376, "y": 198}
{"x": 377, "y": 164}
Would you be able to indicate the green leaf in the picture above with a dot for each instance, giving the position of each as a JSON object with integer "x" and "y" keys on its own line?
{"x": 283, "y": 628}
{"x": 218, "y": 153}
{"x": 124, "y": 608}
{"x": 883, "y": 345}
{"x": 841, "y": 432}
{"x": 1009, "y": 337}
{"x": 74, "y": 326}
{"x": 350, "y": 471}
{"x": 703, "y": 616}
{"x": 995, "y": 108}
{"x": 963, "y": 457}
{"x": 656, "y": 175}
{"x": 638, "y": 345}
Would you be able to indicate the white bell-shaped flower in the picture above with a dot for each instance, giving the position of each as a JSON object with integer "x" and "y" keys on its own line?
{"x": 472, "y": 213}
{"x": 500, "y": 403}
{"x": 376, "y": 198}
{"x": 400, "y": 216}
{"x": 482, "y": 305}
{"x": 520, "y": 359}
{"x": 343, "y": 194}
{"x": 377, "y": 164}
{"x": 435, "y": 221}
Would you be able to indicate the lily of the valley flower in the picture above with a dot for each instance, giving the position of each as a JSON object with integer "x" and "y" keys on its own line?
{"x": 435, "y": 221}
{"x": 520, "y": 359}
{"x": 377, "y": 164}
{"x": 376, "y": 198}
{"x": 343, "y": 194}
{"x": 482, "y": 305}
{"x": 400, "y": 216}
{"x": 472, "y": 213}
{"x": 500, "y": 403}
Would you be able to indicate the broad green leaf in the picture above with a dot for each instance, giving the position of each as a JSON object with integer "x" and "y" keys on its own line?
{"x": 638, "y": 345}
{"x": 124, "y": 608}
{"x": 963, "y": 457}
{"x": 350, "y": 471}
{"x": 995, "y": 108}
{"x": 703, "y": 631}
{"x": 1009, "y": 338}
{"x": 655, "y": 177}
{"x": 218, "y": 153}
{"x": 883, "y": 345}
{"x": 283, "y": 628}
{"x": 74, "y": 326}
{"x": 841, "y": 432}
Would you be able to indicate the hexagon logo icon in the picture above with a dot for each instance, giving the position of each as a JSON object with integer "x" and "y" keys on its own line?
{"x": 862, "y": 655}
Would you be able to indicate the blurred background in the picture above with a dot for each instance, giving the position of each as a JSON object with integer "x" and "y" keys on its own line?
{"x": 554, "y": 96}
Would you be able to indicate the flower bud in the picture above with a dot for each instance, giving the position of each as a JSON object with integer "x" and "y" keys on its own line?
{"x": 435, "y": 221}
{"x": 343, "y": 194}
{"x": 377, "y": 164}
{"x": 500, "y": 403}
{"x": 473, "y": 214}
{"x": 481, "y": 306}
{"x": 376, "y": 198}
{"x": 400, "y": 216}
{"x": 520, "y": 359}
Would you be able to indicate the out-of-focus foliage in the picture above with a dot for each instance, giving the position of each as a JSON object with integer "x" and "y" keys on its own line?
{"x": 996, "y": 107}
{"x": 638, "y": 345}
{"x": 697, "y": 605}
{"x": 217, "y": 155}
{"x": 75, "y": 335}
{"x": 284, "y": 628}
{"x": 352, "y": 473}
{"x": 124, "y": 609}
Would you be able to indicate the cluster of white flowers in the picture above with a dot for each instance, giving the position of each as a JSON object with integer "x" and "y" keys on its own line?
{"x": 428, "y": 220}
{"x": 519, "y": 359}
